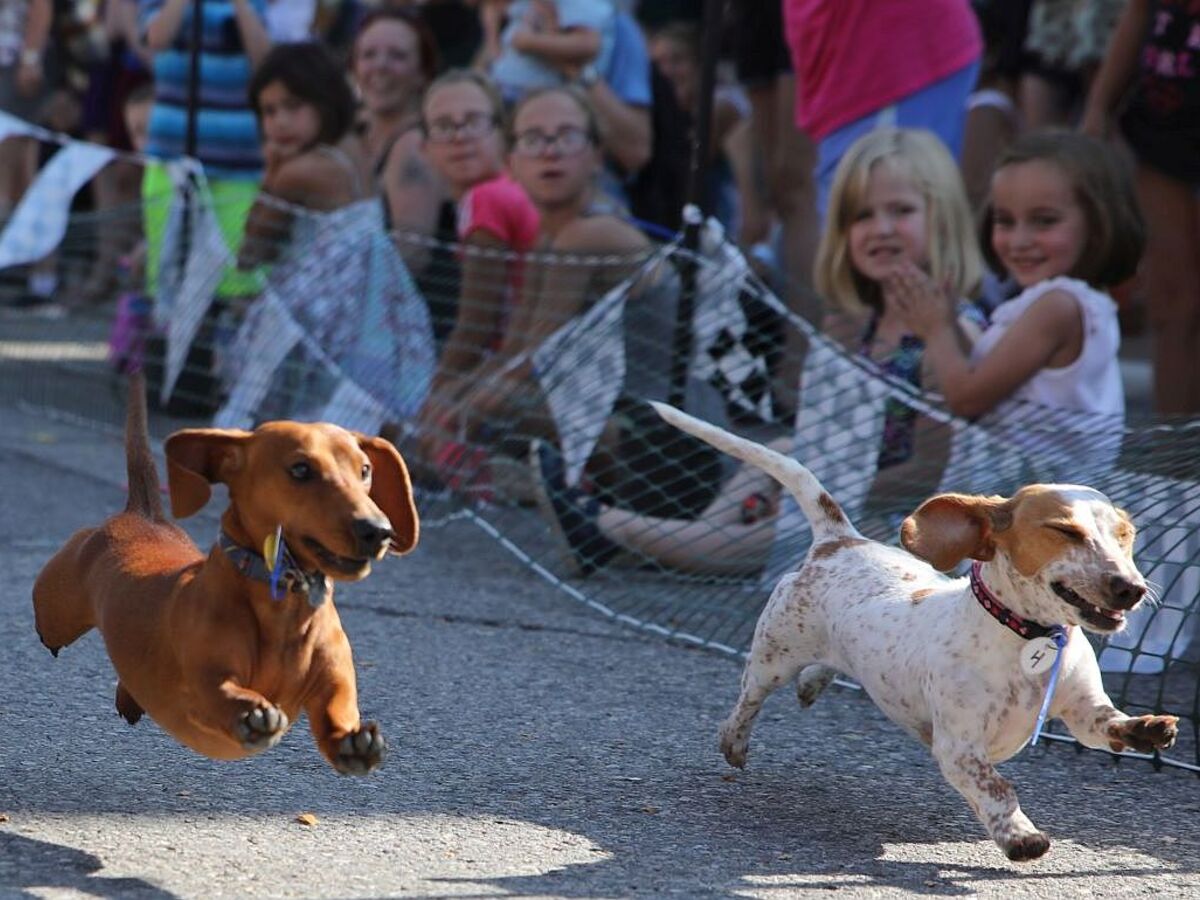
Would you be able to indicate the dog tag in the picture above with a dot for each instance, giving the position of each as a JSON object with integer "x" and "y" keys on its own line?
{"x": 1038, "y": 656}
{"x": 272, "y": 546}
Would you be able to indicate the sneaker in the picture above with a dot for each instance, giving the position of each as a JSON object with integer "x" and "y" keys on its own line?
{"x": 571, "y": 513}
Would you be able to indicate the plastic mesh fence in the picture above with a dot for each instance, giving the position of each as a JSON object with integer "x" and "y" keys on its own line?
{"x": 549, "y": 444}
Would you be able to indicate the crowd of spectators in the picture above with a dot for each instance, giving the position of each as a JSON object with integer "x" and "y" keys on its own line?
{"x": 565, "y": 127}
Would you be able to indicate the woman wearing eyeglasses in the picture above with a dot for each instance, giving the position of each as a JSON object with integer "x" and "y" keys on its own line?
{"x": 464, "y": 141}
{"x": 585, "y": 247}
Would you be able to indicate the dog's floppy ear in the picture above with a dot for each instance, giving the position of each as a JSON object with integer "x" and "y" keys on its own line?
{"x": 951, "y": 527}
{"x": 196, "y": 457}
{"x": 391, "y": 489}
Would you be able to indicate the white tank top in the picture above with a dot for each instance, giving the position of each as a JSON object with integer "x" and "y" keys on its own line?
{"x": 1092, "y": 383}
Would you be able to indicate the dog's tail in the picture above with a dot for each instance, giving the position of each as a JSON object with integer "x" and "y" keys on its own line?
{"x": 144, "y": 492}
{"x": 824, "y": 514}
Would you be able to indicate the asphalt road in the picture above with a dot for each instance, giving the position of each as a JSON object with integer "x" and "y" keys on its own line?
{"x": 537, "y": 750}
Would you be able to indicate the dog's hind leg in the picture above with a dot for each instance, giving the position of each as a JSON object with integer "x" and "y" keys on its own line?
{"x": 811, "y": 683}
{"x": 62, "y": 611}
{"x": 780, "y": 650}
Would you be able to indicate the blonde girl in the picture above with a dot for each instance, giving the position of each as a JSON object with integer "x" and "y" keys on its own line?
{"x": 897, "y": 200}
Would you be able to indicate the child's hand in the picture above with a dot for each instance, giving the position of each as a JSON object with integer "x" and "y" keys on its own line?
{"x": 925, "y": 308}
{"x": 275, "y": 155}
{"x": 542, "y": 15}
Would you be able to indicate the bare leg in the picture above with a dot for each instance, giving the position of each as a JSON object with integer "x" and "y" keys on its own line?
{"x": 18, "y": 165}
{"x": 1043, "y": 104}
{"x": 1172, "y": 283}
{"x": 717, "y": 542}
{"x": 116, "y": 189}
{"x": 791, "y": 187}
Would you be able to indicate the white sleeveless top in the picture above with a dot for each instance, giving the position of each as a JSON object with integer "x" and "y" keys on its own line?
{"x": 1090, "y": 384}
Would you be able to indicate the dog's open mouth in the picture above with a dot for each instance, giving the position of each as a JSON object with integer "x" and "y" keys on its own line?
{"x": 344, "y": 565}
{"x": 1097, "y": 616}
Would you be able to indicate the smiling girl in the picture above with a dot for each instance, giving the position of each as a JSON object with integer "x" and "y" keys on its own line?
{"x": 392, "y": 62}
{"x": 1063, "y": 221}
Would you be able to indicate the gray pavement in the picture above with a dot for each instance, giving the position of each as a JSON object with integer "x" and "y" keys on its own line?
{"x": 537, "y": 750}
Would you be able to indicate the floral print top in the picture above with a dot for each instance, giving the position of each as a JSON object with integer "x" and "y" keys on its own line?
{"x": 904, "y": 364}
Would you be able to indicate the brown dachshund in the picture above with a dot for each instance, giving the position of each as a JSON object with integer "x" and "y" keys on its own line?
{"x": 224, "y": 651}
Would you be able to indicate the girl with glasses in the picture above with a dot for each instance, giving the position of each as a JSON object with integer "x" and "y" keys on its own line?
{"x": 464, "y": 141}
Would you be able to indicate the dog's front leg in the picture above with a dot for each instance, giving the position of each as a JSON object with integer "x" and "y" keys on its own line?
{"x": 243, "y": 714}
{"x": 351, "y": 747}
{"x": 967, "y": 768}
{"x": 1093, "y": 720}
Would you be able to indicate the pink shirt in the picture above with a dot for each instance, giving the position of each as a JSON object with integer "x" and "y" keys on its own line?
{"x": 853, "y": 57}
{"x": 501, "y": 207}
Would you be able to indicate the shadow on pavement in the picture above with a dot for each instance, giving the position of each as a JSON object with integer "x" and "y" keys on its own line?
{"x": 27, "y": 864}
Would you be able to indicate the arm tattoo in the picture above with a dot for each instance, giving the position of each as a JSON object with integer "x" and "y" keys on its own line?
{"x": 414, "y": 172}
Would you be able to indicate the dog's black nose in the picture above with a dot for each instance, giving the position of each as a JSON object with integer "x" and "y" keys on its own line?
{"x": 1125, "y": 594}
{"x": 369, "y": 534}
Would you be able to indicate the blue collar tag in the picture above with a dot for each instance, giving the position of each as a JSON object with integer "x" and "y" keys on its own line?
{"x": 1059, "y": 636}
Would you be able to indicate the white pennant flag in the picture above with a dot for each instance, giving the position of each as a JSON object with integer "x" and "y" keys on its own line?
{"x": 11, "y": 126}
{"x": 271, "y": 334}
{"x": 839, "y": 431}
{"x": 981, "y": 463}
{"x": 581, "y": 368}
{"x": 40, "y": 220}
{"x": 208, "y": 257}
{"x": 354, "y": 409}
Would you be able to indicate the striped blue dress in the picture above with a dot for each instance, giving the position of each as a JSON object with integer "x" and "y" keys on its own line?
{"x": 226, "y": 130}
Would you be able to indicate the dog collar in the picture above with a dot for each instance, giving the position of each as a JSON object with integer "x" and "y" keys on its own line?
{"x": 313, "y": 586}
{"x": 1006, "y": 616}
{"x": 1043, "y": 652}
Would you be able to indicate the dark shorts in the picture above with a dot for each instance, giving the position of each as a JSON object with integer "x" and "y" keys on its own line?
{"x": 110, "y": 83}
{"x": 1171, "y": 148}
{"x": 1004, "y": 24}
{"x": 759, "y": 50}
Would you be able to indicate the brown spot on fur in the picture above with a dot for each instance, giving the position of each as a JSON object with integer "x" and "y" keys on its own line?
{"x": 831, "y": 508}
{"x": 829, "y": 548}
{"x": 919, "y": 595}
{"x": 908, "y": 576}
{"x": 985, "y": 777}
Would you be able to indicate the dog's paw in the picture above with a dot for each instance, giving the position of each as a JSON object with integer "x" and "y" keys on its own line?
{"x": 734, "y": 746}
{"x": 129, "y": 709}
{"x": 261, "y": 727}
{"x": 811, "y": 682}
{"x": 53, "y": 650}
{"x": 360, "y": 751}
{"x": 1144, "y": 734}
{"x": 1026, "y": 847}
